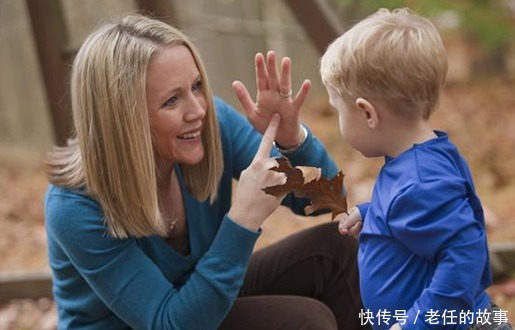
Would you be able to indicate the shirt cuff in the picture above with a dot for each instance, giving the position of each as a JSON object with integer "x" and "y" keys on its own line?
{"x": 363, "y": 209}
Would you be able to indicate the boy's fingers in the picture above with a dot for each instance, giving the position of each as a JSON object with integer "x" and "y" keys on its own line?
{"x": 343, "y": 230}
{"x": 354, "y": 230}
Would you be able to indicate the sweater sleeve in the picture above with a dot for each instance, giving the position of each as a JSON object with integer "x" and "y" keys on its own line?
{"x": 435, "y": 220}
{"x": 130, "y": 284}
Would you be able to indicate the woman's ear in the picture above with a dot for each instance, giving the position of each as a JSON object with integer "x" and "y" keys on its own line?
{"x": 369, "y": 111}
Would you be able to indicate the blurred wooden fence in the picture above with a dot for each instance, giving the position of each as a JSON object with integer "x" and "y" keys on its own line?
{"x": 25, "y": 285}
{"x": 227, "y": 32}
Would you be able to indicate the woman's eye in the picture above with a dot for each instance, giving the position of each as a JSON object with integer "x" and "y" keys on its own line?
{"x": 197, "y": 86}
{"x": 171, "y": 101}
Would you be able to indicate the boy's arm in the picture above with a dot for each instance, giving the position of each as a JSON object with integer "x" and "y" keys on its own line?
{"x": 436, "y": 221}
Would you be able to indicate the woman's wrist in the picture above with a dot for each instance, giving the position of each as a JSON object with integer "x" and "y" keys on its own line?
{"x": 291, "y": 149}
{"x": 243, "y": 218}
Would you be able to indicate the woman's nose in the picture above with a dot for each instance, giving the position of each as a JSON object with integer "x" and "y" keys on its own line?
{"x": 196, "y": 108}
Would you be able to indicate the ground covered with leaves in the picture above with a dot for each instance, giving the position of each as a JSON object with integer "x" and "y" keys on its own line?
{"x": 480, "y": 118}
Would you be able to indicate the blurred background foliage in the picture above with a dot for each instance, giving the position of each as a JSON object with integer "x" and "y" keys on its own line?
{"x": 488, "y": 25}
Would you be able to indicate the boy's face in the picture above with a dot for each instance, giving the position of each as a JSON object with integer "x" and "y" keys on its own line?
{"x": 351, "y": 122}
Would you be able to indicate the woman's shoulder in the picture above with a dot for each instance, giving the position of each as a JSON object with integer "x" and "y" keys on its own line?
{"x": 64, "y": 206}
{"x": 226, "y": 113}
{"x": 234, "y": 126}
{"x": 66, "y": 196}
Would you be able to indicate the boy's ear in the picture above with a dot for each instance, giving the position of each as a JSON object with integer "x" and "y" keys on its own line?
{"x": 369, "y": 111}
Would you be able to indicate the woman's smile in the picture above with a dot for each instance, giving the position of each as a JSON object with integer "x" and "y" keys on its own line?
{"x": 191, "y": 136}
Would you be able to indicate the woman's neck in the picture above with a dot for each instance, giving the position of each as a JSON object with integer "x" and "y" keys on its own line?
{"x": 164, "y": 173}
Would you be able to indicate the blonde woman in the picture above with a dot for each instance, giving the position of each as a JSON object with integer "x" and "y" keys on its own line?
{"x": 141, "y": 230}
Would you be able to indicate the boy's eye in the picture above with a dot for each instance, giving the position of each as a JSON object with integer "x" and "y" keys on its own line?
{"x": 171, "y": 101}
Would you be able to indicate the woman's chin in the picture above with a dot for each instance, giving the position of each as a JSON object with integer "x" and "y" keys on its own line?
{"x": 192, "y": 159}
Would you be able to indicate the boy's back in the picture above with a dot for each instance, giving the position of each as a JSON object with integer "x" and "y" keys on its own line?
{"x": 423, "y": 241}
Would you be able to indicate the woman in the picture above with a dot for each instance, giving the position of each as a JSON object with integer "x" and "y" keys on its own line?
{"x": 141, "y": 230}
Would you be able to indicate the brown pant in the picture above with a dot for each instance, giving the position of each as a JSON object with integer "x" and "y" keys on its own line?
{"x": 308, "y": 280}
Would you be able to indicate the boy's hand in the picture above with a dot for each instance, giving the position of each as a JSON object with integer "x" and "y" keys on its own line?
{"x": 350, "y": 224}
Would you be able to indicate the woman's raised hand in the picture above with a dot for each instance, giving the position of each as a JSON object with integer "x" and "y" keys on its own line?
{"x": 251, "y": 205}
{"x": 274, "y": 95}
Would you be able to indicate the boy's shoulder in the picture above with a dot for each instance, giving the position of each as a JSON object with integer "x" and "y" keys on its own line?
{"x": 436, "y": 159}
{"x": 440, "y": 159}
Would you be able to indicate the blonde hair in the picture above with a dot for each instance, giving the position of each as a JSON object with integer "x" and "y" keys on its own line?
{"x": 112, "y": 154}
{"x": 394, "y": 57}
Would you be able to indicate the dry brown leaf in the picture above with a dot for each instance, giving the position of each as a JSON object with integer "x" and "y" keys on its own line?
{"x": 307, "y": 181}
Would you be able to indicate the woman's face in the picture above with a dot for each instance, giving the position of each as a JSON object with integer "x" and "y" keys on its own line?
{"x": 177, "y": 105}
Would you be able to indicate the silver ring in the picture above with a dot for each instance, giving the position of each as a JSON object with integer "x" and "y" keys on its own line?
{"x": 285, "y": 95}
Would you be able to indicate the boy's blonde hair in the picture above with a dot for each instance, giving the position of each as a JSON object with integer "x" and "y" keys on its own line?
{"x": 112, "y": 154}
{"x": 395, "y": 58}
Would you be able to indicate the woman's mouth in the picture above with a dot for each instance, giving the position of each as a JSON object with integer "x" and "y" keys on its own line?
{"x": 189, "y": 135}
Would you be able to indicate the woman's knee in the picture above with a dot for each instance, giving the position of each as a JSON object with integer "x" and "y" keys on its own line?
{"x": 313, "y": 314}
{"x": 327, "y": 238}
{"x": 280, "y": 312}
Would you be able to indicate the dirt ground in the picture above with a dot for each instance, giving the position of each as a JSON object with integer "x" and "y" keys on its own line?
{"x": 479, "y": 117}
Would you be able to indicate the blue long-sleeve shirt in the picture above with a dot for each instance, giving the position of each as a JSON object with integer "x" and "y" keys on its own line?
{"x": 100, "y": 282}
{"x": 423, "y": 249}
